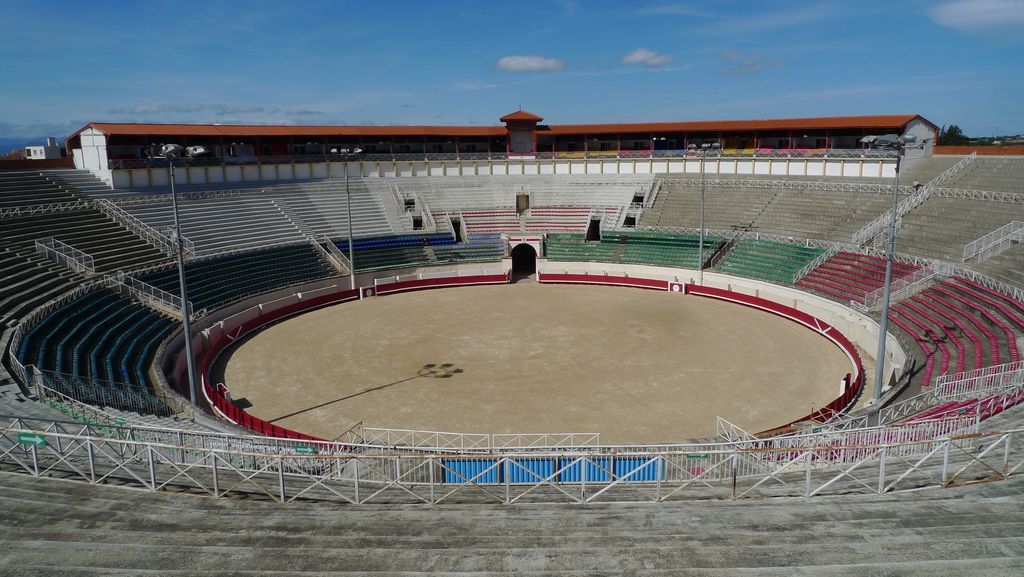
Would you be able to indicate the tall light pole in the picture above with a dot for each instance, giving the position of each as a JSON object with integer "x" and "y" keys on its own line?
{"x": 347, "y": 155}
{"x": 704, "y": 147}
{"x": 899, "y": 144}
{"x": 170, "y": 152}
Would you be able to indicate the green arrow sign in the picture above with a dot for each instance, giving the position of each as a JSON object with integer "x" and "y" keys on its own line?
{"x": 31, "y": 439}
{"x": 697, "y": 456}
{"x": 305, "y": 450}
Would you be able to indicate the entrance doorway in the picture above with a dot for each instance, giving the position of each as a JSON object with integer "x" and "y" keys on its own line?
{"x": 524, "y": 262}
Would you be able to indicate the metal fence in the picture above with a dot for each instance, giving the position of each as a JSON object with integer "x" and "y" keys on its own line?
{"x": 66, "y": 255}
{"x": 132, "y": 163}
{"x": 16, "y": 211}
{"x": 988, "y": 380}
{"x": 871, "y": 230}
{"x": 907, "y": 285}
{"x": 223, "y": 466}
{"x": 148, "y": 233}
{"x": 994, "y": 242}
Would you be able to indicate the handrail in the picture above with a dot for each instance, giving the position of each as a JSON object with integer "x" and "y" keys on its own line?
{"x": 151, "y": 296}
{"x": 340, "y": 265}
{"x": 16, "y": 211}
{"x": 907, "y": 284}
{"x": 129, "y": 397}
{"x": 818, "y": 261}
{"x": 984, "y": 378}
{"x": 871, "y": 230}
{"x": 725, "y": 154}
{"x": 994, "y": 242}
{"x": 148, "y": 233}
{"x": 66, "y": 254}
{"x": 787, "y": 184}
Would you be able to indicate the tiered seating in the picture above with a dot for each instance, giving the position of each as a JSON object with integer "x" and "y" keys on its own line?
{"x": 87, "y": 230}
{"x": 978, "y": 322}
{"x": 941, "y": 226}
{"x": 217, "y": 281}
{"x": 396, "y": 251}
{"x": 570, "y": 247}
{"x": 491, "y": 221}
{"x": 821, "y": 214}
{"x": 633, "y": 247}
{"x": 848, "y": 277}
{"x": 29, "y": 188}
{"x": 97, "y": 348}
{"x": 724, "y": 208}
{"x": 226, "y": 223}
{"x": 988, "y": 173}
{"x": 768, "y": 260}
{"x": 482, "y": 247}
{"x": 984, "y": 407}
{"x": 563, "y": 218}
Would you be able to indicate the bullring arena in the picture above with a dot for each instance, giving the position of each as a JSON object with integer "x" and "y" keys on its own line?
{"x": 635, "y": 366}
{"x": 409, "y": 348}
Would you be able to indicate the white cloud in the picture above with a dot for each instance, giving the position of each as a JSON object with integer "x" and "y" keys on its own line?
{"x": 738, "y": 63}
{"x": 648, "y": 58}
{"x": 217, "y": 109}
{"x": 981, "y": 15}
{"x": 530, "y": 64}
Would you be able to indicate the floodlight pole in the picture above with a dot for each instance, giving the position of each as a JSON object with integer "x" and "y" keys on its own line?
{"x": 890, "y": 250}
{"x": 185, "y": 313}
{"x": 348, "y": 209}
{"x": 700, "y": 247}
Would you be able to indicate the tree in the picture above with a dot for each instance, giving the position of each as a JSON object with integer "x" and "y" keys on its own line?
{"x": 953, "y": 136}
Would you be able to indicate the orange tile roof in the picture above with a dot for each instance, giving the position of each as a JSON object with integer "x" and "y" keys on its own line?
{"x": 887, "y": 121}
{"x": 252, "y": 130}
{"x": 521, "y": 115}
{"x": 875, "y": 122}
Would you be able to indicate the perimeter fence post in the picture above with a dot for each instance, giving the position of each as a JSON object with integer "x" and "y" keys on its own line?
{"x": 280, "y": 476}
{"x": 807, "y": 482}
{"x": 734, "y": 467}
{"x": 1006, "y": 455}
{"x": 881, "y": 470}
{"x": 945, "y": 461}
{"x": 216, "y": 480}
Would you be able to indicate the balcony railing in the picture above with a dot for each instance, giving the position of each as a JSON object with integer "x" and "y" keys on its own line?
{"x": 130, "y": 163}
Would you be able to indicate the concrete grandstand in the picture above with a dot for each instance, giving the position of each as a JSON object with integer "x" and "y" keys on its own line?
{"x": 95, "y": 389}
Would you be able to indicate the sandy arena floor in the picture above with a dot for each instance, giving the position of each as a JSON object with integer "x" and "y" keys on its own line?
{"x": 636, "y": 366}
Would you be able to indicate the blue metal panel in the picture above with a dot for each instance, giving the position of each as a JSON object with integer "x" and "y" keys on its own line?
{"x": 638, "y": 468}
{"x": 529, "y": 470}
{"x": 463, "y": 470}
{"x": 595, "y": 471}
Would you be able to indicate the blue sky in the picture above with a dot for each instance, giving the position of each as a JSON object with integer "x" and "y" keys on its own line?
{"x": 461, "y": 62}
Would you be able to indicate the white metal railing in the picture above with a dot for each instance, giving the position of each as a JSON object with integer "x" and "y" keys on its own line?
{"x": 979, "y": 380}
{"x": 377, "y": 282}
{"x": 81, "y": 391}
{"x": 776, "y": 184}
{"x": 148, "y": 233}
{"x": 329, "y": 255}
{"x": 66, "y": 255}
{"x": 994, "y": 242}
{"x": 871, "y": 230}
{"x": 152, "y": 296}
{"x": 730, "y": 432}
{"x": 942, "y": 452}
{"x": 989, "y": 195}
{"x": 337, "y": 254}
{"x": 1009, "y": 393}
{"x": 907, "y": 285}
{"x": 165, "y": 197}
{"x": 414, "y": 439}
{"x": 16, "y": 211}
{"x": 818, "y": 261}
